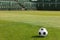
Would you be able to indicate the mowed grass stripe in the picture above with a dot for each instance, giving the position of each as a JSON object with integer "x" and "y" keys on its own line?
{"x": 23, "y": 31}
{"x": 44, "y": 13}
{"x": 32, "y": 19}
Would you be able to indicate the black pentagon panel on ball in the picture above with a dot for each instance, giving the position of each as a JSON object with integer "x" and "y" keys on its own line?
{"x": 44, "y": 33}
{"x": 41, "y": 29}
{"x": 39, "y": 33}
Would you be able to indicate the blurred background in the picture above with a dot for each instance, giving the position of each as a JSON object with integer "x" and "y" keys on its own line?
{"x": 29, "y": 4}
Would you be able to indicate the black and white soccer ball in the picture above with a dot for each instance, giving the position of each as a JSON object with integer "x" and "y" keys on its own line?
{"x": 43, "y": 32}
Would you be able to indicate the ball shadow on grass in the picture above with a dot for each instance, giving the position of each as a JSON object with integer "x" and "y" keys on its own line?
{"x": 37, "y": 36}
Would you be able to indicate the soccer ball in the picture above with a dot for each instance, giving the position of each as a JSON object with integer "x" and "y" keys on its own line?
{"x": 43, "y": 32}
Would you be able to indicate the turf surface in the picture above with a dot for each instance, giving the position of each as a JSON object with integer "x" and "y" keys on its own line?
{"x": 24, "y": 25}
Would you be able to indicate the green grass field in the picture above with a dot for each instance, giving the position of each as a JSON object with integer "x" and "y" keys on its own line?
{"x": 24, "y": 25}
